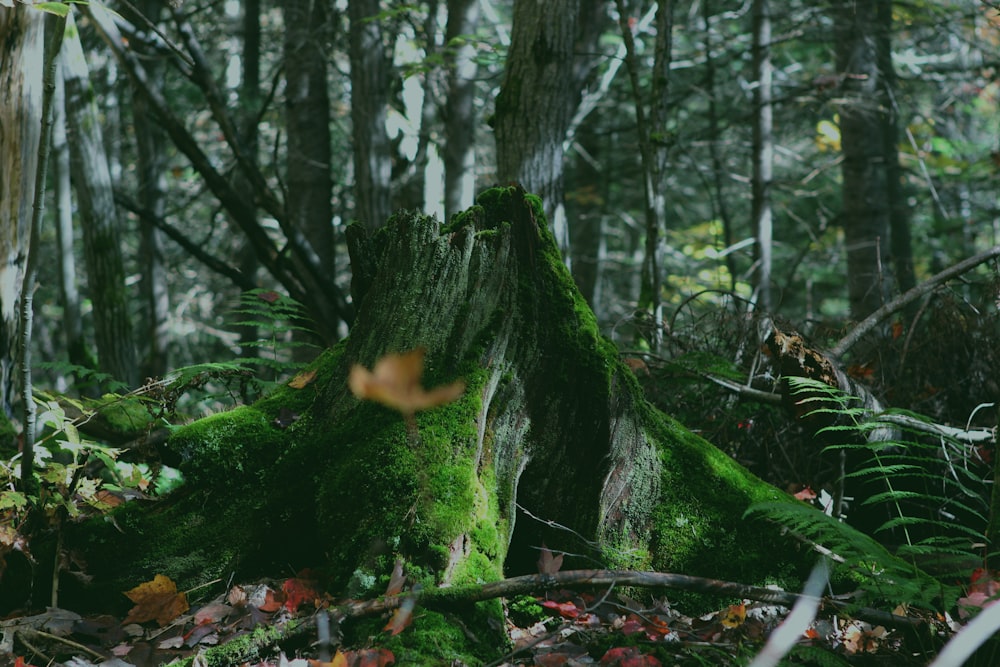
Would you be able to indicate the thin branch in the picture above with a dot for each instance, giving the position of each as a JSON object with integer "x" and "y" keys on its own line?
{"x": 902, "y": 300}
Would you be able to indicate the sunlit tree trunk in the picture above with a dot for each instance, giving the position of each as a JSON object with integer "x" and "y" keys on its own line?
{"x": 763, "y": 153}
{"x": 99, "y": 218}
{"x": 369, "y": 104}
{"x": 69, "y": 294}
{"x": 21, "y": 59}
{"x": 460, "y": 118}
{"x": 867, "y": 226}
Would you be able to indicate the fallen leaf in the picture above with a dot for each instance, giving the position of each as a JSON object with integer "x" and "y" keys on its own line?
{"x": 156, "y": 600}
{"x": 299, "y": 591}
{"x": 565, "y": 609}
{"x": 547, "y": 563}
{"x": 303, "y": 379}
{"x": 401, "y": 618}
{"x": 397, "y": 579}
{"x": 734, "y": 616}
{"x": 628, "y": 656}
{"x": 395, "y": 382}
{"x": 269, "y": 296}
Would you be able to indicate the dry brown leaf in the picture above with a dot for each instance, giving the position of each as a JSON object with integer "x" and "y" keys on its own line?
{"x": 395, "y": 382}
{"x": 156, "y": 600}
{"x": 303, "y": 379}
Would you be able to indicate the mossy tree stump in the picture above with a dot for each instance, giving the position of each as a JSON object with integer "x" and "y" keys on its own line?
{"x": 551, "y": 422}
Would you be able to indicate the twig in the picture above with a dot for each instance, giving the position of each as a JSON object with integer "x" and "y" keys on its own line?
{"x": 931, "y": 283}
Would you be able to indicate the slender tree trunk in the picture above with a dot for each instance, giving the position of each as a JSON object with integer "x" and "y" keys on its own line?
{"x": 152, "y": 166}
{"x": 69, "y": 295}
{"x": 249, "y": 104}
{"x": 867, "y": 225}
{"x": 369, "y": 104}
{"x": 459, "y": 115}
{"x": 21, "y": 58}
{"x": 763, "y": 154}
{"x": 99, "y": 218}
{"x": 307, "y": 111}
{"x": 899, "y": 215}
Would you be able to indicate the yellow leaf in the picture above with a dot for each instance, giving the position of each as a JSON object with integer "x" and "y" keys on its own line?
{"x": 734, "y": 616}
{"x": 395, "y": 382}
{"x": 156, "y": 600}
{"x": 827, "y": 136}
{"x": 303, "y": 379}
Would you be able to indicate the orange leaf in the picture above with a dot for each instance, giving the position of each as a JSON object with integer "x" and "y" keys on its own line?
{"x": 401, "y": 618}
{"x": 156, "y": 600}
{"x": 734, "y": 616}
{"x": 303, "y": 379}
{"x": 395, "y": 382}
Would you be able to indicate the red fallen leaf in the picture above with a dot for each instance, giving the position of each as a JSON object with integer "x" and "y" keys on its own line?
{"x": 806, "y": 494}
{"x": 565, "y": 609}
{"x": 269, "y": 296}
{"x": 212, "y": 613}
{"x": 637, "y": 365}
{"x": 657, "y": 628}
{"x": 298, "y": 592}
{"x": 395, "y": 382}
{"x": 156, "y": 600}
{"x": 632, "y": 625}
{"x": 19, "y": 662}
{"x": 272, "y": 600}
{"x": 897, "y": 330}
{"x": 551, "y": 659}
{"x": 628, "y": 656}
{"x": 547, "y": 563}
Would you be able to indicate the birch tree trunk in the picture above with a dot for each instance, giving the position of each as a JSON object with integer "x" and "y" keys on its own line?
{"x": 460, "y": 118}
{"x": 21, "y": 58}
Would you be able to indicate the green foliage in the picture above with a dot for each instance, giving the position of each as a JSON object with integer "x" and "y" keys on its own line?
{"x": 278, "y": 317}
{"x": 919, "y": 492}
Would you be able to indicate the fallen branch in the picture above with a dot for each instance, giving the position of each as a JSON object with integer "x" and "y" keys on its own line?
{"x": 913, "y": 294}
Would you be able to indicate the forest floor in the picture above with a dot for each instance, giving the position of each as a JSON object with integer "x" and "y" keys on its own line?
{"x": 288, "y": 623}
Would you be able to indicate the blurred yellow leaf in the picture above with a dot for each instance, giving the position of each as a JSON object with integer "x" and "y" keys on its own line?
{"x": 395, "y": 382}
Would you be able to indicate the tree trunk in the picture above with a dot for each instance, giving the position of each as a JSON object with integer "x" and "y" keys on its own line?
{"x": 369, "y": 104}
{"x": 99, "y": 218}
{"x": 307, "y": 110}
{"x": 551, "y": 423}
{"x": 21, "y": 60}
{"x": 763, "y": 154}
{"x": 69, "y": 295}
{"x": 866, "y": 180}
{"x": 460, "y": 118}
{"x": 542, "y": 73}
{"x": 151, "y": 167}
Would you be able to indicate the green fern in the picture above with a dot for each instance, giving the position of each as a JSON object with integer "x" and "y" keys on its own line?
{"x": 873, "y": 569}
{"x": 278, "y": 317}
{"x": 919, "y": 491}
{"x": 815, "y": 655}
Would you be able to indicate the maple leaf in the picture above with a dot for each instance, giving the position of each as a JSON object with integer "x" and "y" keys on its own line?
{"x": 298, "y": 591}
{"x": 156, "y": 600}
{"x": 395, "y": 382}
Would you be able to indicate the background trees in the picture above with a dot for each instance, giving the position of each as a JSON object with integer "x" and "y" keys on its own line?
{"x": 239, "y": 166}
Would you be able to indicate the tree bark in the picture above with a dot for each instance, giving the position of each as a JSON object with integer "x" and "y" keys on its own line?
{"x": 542, "y": 72}
{"x": 459, "y": 114}
{"x": 866, "y": 200}
{"x": 369, "y": 104}
{"x": 21, "y": 61}
{"x": 99, "y": 218}
{"x": 763, "y": 154}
